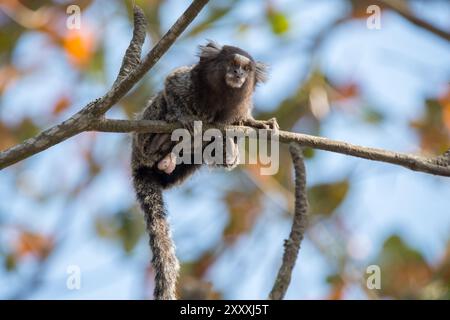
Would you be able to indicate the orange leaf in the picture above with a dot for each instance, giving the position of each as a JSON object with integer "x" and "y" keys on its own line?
{"x": 35, "y": 244}
{"x": 244, "y": 209}
{"x": 7, "y": 138}
{"x": 337, "y": 287}
{"x": 202, "y": 265}
{"x": 79, "y": 46}
{"x": 62, "y": 104}
{"x": 346, "y": 91}
{"x": 359, "y": 8}
{"x": 7, "y": 75}
{"x": 445, "y": 102}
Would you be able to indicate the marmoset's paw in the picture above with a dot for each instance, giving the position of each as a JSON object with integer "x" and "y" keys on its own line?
{"x": 168, "y": 163}
{"x": 270, "y": 124}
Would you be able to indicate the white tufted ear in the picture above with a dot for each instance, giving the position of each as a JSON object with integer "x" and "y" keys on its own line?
{"x": 261, "y": 72}
{"x": 210, "y": 50}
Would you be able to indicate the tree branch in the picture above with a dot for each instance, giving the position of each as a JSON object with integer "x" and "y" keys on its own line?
{"x": 132, "y": 56}
{"x": 118, "y": 91}
{"x": 44, "y": 140}
{"x": 91, "y": 117}
{"x": 413, "y": 19}
{"x": 131, "y": 71}
{"x": 292, "y": 245}
{"x": 437, "y": 166}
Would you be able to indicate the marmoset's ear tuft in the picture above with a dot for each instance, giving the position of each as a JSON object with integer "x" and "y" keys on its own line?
{"x": 261, "y": 72}
{"x": 209, "y": 51}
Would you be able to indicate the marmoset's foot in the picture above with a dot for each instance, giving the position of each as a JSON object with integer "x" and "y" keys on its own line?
{"x": 262, "y": 124}
{"x": 168, "y": 163}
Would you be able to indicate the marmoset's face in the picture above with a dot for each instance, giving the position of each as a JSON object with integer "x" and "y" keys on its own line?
{"x": 238, "y": 70}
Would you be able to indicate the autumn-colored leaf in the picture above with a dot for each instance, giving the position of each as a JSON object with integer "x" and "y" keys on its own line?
{"x": 337, "y": 287}
{"x": 244, "y": 208}
{"x": 404, "y": 270}
{"x": 345, "y": 91}
{"x": 10, "y": 136}
{"x": 8, "y": 74}
{"x": 203, "y": 263}
{"x": 444, "y": 266}
{"x": 35, "y": 244}
{"x": 433, "y": 133}
{"x": 61, "y": 105}
{"x": 444, "y": 100}
{"x": 359, "y": 8}
{"x": 79, "y": 46}
{"x": 200, "y": 266}
{"x": 30, "y": 14}
{"x": 7, "y": 138}
{"x": 88, "y": 155}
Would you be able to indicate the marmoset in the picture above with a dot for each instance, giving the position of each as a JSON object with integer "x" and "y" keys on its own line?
{"x": 218, "y": 89}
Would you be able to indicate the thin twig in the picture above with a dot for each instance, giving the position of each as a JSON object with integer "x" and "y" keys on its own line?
{"x": 292, "y": 245}
{"x": 413, "y": 19}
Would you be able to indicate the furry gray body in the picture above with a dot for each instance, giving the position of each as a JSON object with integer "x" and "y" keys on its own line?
{"x": 197, "y": 92}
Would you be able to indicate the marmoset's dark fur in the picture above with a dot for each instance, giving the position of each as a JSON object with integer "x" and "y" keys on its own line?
{"x": 218, "y": 89}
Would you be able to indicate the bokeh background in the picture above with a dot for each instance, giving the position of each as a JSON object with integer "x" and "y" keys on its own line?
{"x": 73, "y": 205}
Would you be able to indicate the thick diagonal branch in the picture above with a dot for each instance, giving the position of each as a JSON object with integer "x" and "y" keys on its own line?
{"x": 118, "y": 91}
{"x": 130, "y": 73}
{"x": 292, "y": 244}
{"x": 44, "y": 140}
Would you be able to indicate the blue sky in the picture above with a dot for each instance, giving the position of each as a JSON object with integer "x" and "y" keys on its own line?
{"x": 397, "y": 67}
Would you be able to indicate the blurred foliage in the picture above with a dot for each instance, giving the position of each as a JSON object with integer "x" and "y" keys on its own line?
{"x": 434, "y": 126}
{"x": 26, "y": 245}
{"x": 278, "y": 21}
{"x": 335, "y": 193}
{"x": 125, "y": 227}
{"x": 214, "y": 14}
{"x": 243, "y": 208}
{"x": 406, "y": 273}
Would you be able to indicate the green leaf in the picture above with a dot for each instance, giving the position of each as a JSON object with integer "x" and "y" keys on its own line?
{"x": 10, "y": 262}
{"x": 325, "y": 198}
{"x": 396, "y": 250}
{"x": 125, "y": 226}
{"x": 26, "y": 129}
{"x": 278, "y": 21}
{"x": 309, "y": 153}
{"x": 131, "y": 231}
{"x": 372, "y": 116}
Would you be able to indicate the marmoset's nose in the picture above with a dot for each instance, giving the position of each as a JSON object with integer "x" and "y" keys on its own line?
{"x": 238, "y": 72}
